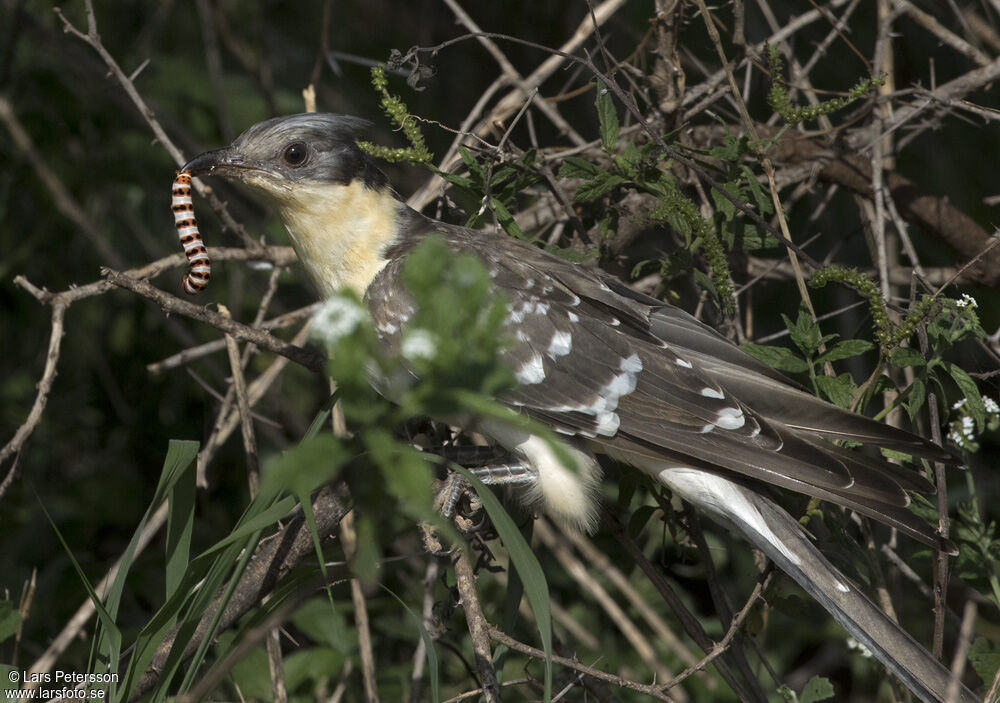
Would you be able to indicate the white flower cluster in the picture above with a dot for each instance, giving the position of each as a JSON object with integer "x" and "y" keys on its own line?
{"x": 963, "y": 429}
{"x": 418, "y": 343}
{"x": 966, "y": 300}
{"x": 337, "y": 318}
{"x": 862, "y": 649}
{"x": 964, "y": 434}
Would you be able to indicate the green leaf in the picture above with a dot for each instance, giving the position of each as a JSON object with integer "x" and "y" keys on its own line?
{"x": 974, "y": 401}
{"x": 475, "y": 168}
{"x": 804, "y": 331}
{"x": 575, "y": 167}
{"x": 894, "y": 454}
{"x": 906, "y": 356}
{"x": 505, "y": 219}
{"x": 780, "y": 358}
{"x": 305, "y": 467}
{"x": 596, "y": 187}
{"x": 839, "y": 390}
{"x": 429, "y": 649}
{"x": 182, "y": 499}
{"x": 10, "y": 619}
{"x": 536, "y": 589}
{"x": 845, "y": 350}
{"x": 818, "y": 688}
{"x": 723, "y": 204}
{"x": 915, "y": 399}
{"x": 607, "y": 116}
{"x": 321, "y": 622}
{"x": 252, "y": 676}
{"x": 761, "y": 197}
{"x": 309, "y": 666}
{"x": 985, "y": 658}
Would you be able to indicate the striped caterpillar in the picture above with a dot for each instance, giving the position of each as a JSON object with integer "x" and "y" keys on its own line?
{"x": 199, "y": 266}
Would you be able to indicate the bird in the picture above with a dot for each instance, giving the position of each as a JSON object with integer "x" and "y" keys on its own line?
{"x": 610, "y": 371}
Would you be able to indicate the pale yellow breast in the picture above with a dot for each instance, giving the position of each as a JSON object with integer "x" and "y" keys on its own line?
{"x": 339, "y": 232}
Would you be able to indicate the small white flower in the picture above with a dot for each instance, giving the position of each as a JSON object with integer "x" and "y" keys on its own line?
{"x": 337, "y": 318}
{"x": 862, "y": 649}
{"x": 958, "y": 403}
{"x": 991, "y": 405}
{"x": 967, "y": 300}
{"x": 419, "y": 344}
{"x": 968, "y": 427}
{"x": 955, "y": 438}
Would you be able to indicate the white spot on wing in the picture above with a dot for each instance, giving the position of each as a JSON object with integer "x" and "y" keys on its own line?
{"x": 560, "y": 345}
{"x": 532, "y": 371}
{"x": 730, "y": 419}
{"x": 712, "y": 393}
{"x": 681, "y": 362}
{"x": 573, "y": 317}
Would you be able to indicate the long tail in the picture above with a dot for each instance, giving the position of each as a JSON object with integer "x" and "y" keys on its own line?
{"x": 782, "y": 539}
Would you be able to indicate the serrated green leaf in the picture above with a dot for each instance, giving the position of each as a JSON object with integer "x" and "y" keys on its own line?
{"x": 762, "y": 198}
{"x": 839, "y": 390}
{"x": 475, "y": 168}
{"x": 804, "y": 331}
{"x": 818, "y": 688}
{"x": 974, "y": 401}
{"x": 780, "y": 358}
{"x": 845, "y": 350}
{"x": 596, "y": 187}
{"x": 723, "y": 204}
{"x": 575, "y": 167}
{"x": 505, "y": 219}
{"x": 607, "y": 116}
{"x": 906, "y": 356}
{"x": 915, "y": 399}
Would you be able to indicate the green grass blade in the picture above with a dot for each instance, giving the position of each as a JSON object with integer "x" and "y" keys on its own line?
{"x": 432, "y": 657}
{"x": 536, "y": 589}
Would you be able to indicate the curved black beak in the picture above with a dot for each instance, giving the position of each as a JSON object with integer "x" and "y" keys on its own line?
{"x": 221, "y": 160}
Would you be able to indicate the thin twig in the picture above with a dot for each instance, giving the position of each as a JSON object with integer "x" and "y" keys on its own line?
{"x": 578, "y": 572}
{"x": 961, "y": 656}
{"x": 92, "y": 38}
{"x": 348, "y": 538}
{"x": 186, "y": 356}
{"x": 172, "y": 304}
{"x": 479, "y": 629}
{"x": 508, "y": 641}
{"x": 16, "y": 444}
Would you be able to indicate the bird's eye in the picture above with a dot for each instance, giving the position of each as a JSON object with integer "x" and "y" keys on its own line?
{"x": 295, "y": 154}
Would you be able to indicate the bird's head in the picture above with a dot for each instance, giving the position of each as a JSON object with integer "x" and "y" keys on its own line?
{"x": 281, "y": 155}
{"x": 335, "y": 202}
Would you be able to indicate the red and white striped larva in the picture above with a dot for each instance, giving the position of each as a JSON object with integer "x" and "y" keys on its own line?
{"x": 199, "y": 266}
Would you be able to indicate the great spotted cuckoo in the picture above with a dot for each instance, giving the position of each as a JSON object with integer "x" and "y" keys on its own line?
{"x": 612, "y": 372}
